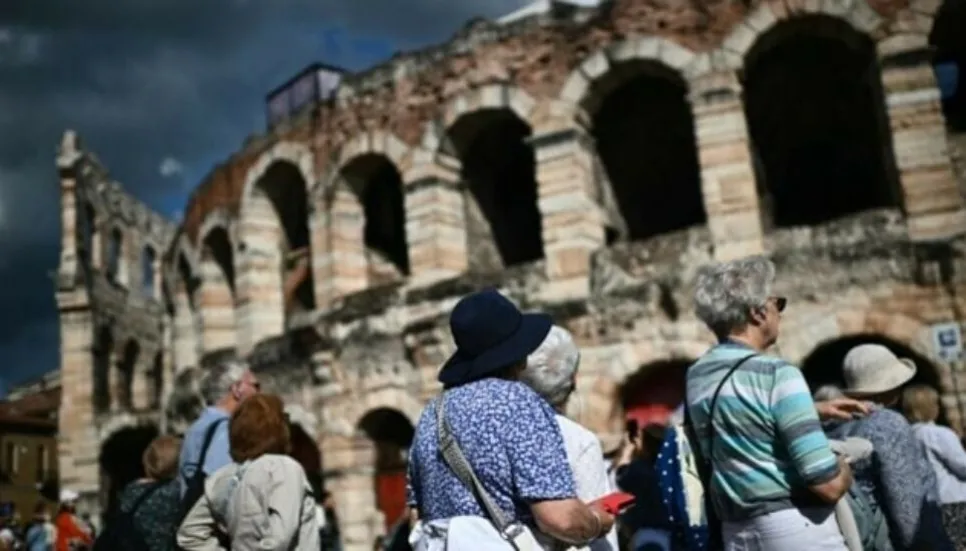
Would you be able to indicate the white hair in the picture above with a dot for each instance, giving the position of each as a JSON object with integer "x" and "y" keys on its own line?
{"x": 551, "y": 367}
{"x": 218, "y": 380}
{"x": 725, "y": 293}
{"x": 827, "y": 392}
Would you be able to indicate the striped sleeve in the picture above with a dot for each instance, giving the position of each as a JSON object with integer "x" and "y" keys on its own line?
{"x": 799, "y": 428}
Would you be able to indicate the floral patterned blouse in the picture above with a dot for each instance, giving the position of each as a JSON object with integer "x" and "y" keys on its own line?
{"x": 156, "y": 518}
{"x": 511, "y": 438}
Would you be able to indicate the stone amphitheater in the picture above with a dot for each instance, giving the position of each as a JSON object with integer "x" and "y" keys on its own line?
{"x": 586, "y": 160}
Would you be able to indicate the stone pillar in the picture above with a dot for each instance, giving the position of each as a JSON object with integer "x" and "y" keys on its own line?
{"x": 569, "y": 202}
{"x": 260, "y": 310}
{"x": 727, "y": 172}
{"x": 933, "y": 203}
{"x": 435, "y": 222}
{"x": 184, "y": 338}
{"x": 319, "y": 242}
{"x": 351, "y": 462}
{"x": 216, "y": 306}
{"x": 77, "y": 443}
{"x": 345, "y": 256}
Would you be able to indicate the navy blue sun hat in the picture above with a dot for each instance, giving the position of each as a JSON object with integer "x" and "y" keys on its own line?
{"x": 490, "y": 333}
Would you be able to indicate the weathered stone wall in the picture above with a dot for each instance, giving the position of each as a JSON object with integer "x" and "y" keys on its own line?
{"x": 274, "y": 259}
{"x": 111, "y": 312}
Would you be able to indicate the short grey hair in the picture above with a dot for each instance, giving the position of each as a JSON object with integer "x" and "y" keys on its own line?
{"x": 827, "y": 392}
{"x": 725, "y": 293}
{"x": 551, "y": 367}
{"x": 219, "y": 379}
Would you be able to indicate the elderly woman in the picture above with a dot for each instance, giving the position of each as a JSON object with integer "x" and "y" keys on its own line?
{"x": 262, "y": 500}
{"x": 552, "y": 373}
{"x": 488, "y": 455}
{"x": 775, "y": 480}
{"x": 945, "y": 453}
{"x": 149, "y": 508}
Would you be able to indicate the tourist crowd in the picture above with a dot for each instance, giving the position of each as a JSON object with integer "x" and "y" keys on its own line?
{"x": 752, "y": 461}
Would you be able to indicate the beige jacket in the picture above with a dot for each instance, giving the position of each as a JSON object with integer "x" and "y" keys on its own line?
{"x": 265, "y": 504}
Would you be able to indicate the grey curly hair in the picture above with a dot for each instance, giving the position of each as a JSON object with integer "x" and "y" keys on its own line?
{"x": 551, "y": 367}
{"x": 725, "y": 293}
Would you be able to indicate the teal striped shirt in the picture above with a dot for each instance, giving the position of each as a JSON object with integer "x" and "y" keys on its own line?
{"x": 769, "y": 444}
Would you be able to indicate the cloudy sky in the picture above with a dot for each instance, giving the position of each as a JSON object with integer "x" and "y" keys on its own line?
{"x": 160, "y": 90}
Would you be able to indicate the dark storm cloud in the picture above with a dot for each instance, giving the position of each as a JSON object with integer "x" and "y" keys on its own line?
{"x": 147, "y": 83}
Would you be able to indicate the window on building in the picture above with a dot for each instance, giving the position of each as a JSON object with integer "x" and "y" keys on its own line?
{"x": 43, "y": 463}
{"x": 10, "y": 459}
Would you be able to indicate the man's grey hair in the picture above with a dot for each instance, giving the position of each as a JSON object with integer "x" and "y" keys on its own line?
{"x": 827, "y": 392}
{"x": 218, "y": 379}
{"x": 726, "y": 293}
{"x": 551, "y": 367}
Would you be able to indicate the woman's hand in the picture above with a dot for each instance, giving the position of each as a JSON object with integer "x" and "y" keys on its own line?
{"x": 606, "y": 520}
{"x": 841, "y": 409}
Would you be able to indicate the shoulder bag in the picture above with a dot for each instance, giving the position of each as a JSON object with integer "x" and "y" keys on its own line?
{"x": 517, "y": 534}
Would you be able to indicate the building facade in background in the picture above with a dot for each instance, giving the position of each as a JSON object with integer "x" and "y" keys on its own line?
{"x": 28, "y": 447}
{"x": 586, "y": 161}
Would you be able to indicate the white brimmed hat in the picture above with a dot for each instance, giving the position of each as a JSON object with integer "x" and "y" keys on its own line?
{"x": 873, "y": 369}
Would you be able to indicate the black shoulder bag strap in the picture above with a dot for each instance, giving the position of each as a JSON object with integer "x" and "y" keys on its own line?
{"x": 704, "y": 464}
{"x": 209, "y": 436}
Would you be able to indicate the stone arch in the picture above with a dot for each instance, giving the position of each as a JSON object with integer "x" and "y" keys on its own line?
{"x": 813, "y": 90}
{"x": 217, "y": 289}
{"x": 275, "y": 277}
{"x": 123, "y": 378}
{"x": 296, "y": 153}
{"x": 656, "y": 50}
{"x": 488, "y": 130}
{"x": 185, "y": 326}
{"x": 391, "y": 434}
{"x": 148, "y": 263}
{"x": 103, "y": 357}
{"x": 184, "y": 248}
{"x": 633, "y": 96}
{"x": 367, "y": 208}
{"x": 733, "y": 52}
{"x": 804, "y": 336}
{"x": 122, "y": 443}
{"x": 88, "y": 234}
{"x": 114, "y": 261}
{"x": 219, "y": 218}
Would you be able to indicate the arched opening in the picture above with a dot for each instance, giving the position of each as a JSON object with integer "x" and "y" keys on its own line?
{"x": 643, "y": 128}
{"x": 287, "y": 192}
{"x": 499, "y": 167}
{"x": 120, "y": 462}
{"x": 218, "y": 291}
{"x": 115, "y": 244}
{"x": 102, "y": 352}
{"x": 88, "y": 232}
{"x": 950, "y": 43}
{"x": 156, "y": 381}
{"x": 148, "y": 258}
{"x": 305, "y": 450}
{"x": 185, "y": 327}
{"x": 818, "y": 125}
{"x": 123, "y": 390}
{"x": 392, "y": 434}
{"x": 823, "y": 365}
{"x": 654, "y": 392}
{"x": 378, "y": 184}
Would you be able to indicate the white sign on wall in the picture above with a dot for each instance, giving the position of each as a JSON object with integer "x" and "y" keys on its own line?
{"x": 947, "y": 341}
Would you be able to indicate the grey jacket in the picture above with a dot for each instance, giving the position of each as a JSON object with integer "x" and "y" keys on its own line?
{"x": 262, "y": 505}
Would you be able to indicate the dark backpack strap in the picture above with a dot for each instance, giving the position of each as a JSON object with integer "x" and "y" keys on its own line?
{"x": 209, "y": 436}
{"x": 704, "y": 465}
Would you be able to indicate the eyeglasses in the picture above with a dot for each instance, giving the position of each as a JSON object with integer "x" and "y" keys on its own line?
{"x": 781, "y": 303}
